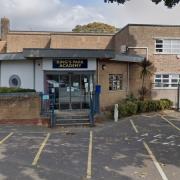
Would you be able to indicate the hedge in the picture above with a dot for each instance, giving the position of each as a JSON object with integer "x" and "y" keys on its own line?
{"x": 14, "y": 90}
{"x": 128, "y": 108}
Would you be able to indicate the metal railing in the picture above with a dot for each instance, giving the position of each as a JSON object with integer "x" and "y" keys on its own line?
{"x": 47, "y": 107}
{"x": 94, "y": 106}
{"x": 92, "y": 109}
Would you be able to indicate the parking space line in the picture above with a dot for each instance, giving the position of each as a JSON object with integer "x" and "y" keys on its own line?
{"x": 134, "y": 127}
{"x": 7, "y": 137}
{"x": 156, "y": 163}
{"x": 170, "y": 123}
{"x": 37, "y": 157}
{"x": 89, "y": 163}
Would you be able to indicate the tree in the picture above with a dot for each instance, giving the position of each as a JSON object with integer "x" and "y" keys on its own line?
{"x": 96, "y": 27}
{"x": 147, "y": 68}
{"x": 168, "y": 3}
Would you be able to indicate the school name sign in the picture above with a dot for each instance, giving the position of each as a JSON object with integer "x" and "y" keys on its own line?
{"x": 70, "y": 63}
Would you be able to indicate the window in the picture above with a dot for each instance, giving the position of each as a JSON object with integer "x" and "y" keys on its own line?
{"x": 168, "y": 46}
{"x": 115, "y": 82}
{"x": 167, "y": 80}
{"x": 14, "y": 81}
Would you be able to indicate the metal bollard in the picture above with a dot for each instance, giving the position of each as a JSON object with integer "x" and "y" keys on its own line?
{"x": 116, "y": 112}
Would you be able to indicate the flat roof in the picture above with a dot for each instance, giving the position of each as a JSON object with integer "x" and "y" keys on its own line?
{"x": 61, "y": 33}
{"x": 67, "y": 53}
{"x": 11, "y": 56}
{"x": 29, "y": 53}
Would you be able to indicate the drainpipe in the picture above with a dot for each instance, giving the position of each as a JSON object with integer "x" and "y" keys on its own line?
{"x": 146, "y": 48}
{"x": 97, "y": 71}
{"x": 34, "y": 74}
{"x": 128, "y": 78}
{"x": 0, "y": 73}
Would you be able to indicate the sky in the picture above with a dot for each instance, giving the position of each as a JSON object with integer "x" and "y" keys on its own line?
{"x": 64, "y": 15}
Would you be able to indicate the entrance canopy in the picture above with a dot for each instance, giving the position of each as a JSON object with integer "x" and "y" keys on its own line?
{"x": 34, "y": 53}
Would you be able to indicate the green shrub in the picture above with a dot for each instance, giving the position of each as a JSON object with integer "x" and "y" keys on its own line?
{"x": 165, "y": 104}
{"x": 127, "y": 108}
{"x": 153, "y": 105}
{"x": 14, "y": 90}
{"x": 131, "y": 98}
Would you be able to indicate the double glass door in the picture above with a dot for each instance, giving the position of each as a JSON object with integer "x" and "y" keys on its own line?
{"x": 73, "y": 90}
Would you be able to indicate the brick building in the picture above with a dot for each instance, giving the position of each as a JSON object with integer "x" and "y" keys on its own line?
{"x": 76, "y": 62}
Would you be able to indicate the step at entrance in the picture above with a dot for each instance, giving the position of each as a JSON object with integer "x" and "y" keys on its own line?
{"x": 72, "y": 118}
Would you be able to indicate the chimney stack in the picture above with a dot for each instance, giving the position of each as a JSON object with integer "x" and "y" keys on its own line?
{"x": 5, "y": 24}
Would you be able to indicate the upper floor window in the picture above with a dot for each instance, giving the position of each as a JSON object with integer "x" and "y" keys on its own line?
{"x": 168, "y": 46}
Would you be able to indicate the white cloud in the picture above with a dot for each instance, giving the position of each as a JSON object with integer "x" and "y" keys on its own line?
{"x": 60, "y": 15}
{"x": 46, "y": 14}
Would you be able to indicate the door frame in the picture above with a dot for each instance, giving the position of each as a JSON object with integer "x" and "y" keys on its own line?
{"x": 69, "y": 73}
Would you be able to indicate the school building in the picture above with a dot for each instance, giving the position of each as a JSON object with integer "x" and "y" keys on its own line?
{"x": 76, "y": 62}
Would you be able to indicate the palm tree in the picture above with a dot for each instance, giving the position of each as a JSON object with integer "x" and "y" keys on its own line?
{"x": 146, "y": 71}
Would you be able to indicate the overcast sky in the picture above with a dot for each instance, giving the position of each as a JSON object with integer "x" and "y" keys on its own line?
{"x": 63, "y": 15}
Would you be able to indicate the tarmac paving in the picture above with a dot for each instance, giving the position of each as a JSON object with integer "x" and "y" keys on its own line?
{"x": 138, "y": 147}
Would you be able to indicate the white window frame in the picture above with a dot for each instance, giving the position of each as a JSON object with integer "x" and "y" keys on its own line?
{"x": 115, "y": 82}
{"x": 166, "y": 83}
{"x": 170, "y": 49}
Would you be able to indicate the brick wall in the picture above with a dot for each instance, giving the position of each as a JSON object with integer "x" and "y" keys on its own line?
{"x": 144, "y": 36}
{"x": 17, "y": 41}
{"x": 20, "y": 108}
{"x": 107, "y": 97}
{"x": 2, "y": 46}
{"x": 75, "y": 41}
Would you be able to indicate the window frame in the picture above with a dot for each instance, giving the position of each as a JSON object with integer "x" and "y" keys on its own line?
{"x": 17, "y": 78}
{"x": 163, "y": 84}
{"x": 171, "y": 48}
{"x": 114, "y": 81}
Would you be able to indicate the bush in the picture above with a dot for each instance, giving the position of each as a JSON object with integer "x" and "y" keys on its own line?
{"x": 142, "y": 106}
{"x": 131, "y": 98}
{"x": 127, "y": 108}
{"x": 14, "y": 90}
{"x": 165, "y": 104}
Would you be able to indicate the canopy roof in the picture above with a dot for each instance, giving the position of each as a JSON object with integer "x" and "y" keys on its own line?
{"x": 34, "y": 53}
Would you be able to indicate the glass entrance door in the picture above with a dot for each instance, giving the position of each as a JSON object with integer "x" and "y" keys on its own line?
{"x": 64, "y": 91}
{"x": 74, "y": 91}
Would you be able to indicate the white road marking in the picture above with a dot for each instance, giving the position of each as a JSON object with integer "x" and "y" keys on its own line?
{"x": 134, "y": 127}
{"x": 154, "y": 141}
{"x": 172, "y": 137}
{"x": 150, "y": 116}
{"x": 146, "y": 134}
{"x": 7, "y": 137}
{"x": 89, "y": 163}
{"x": 156, "y": 163}
{"x": 158, "y": 135}
{"x": 170, "y": 123}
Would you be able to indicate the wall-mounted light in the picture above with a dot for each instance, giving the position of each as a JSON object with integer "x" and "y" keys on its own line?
{"x": 104, "y": 66}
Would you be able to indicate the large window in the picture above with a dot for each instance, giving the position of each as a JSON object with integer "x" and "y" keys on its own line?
{"x": 115, "y": 82}
{"x": 167, "y": 80}
{"x": 168, "y": 46}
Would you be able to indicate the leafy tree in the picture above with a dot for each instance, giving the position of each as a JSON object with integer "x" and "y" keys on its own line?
{"x": 96, "y": 27}
{"x": 168, "y": 3}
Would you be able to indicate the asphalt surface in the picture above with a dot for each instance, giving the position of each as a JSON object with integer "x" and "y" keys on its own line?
{"x": 118, "y": 151}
